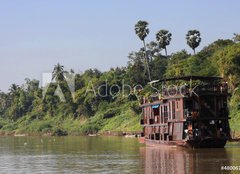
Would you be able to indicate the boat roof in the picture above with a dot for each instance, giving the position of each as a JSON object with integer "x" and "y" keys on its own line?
{"x": 202, "y": 78}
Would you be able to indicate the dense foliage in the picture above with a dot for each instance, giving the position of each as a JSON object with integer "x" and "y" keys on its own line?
{"x": 29, "y": 108}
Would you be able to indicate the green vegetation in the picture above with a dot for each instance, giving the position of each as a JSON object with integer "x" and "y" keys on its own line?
{"x": 193, "y": 39}
{"x": 142, "y": 30}
{"x": 163, "y": 38}
{"x": 31, "y": 109}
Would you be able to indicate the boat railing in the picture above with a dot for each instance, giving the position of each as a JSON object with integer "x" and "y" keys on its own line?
{"x": 198, "y": 89}
{"x": 186, "y": 90}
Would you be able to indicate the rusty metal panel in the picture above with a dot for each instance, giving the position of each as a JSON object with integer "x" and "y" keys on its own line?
{"x": 177, "y": 131}
{"x": 156, "y": 129}
{"x": 162, "y": 129}
{"x": 165, "y": 129}
{"x": 178, "y": 115}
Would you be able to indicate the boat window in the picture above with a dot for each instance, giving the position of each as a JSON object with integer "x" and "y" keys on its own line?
{"x": 162, "y": 115}
{"x": 169, "y": 111}
{"x": 150, "y": 111}
{"x": 165, "y": 114}
{"x": 195, "y": 105}
{"x": 155, "y": 110}
{"x": 173, "y": 109}
{"x": 209, "y": 102}
{"x": 188, "y": 104}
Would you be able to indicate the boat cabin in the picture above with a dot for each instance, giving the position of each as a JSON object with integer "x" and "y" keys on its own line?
{"x": 189, "y": 109}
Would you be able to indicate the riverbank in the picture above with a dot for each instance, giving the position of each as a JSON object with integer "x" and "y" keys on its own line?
{"x": 105, "y": 133}
{"x": 116, "y": 120}
{"x": 27, "y": 111}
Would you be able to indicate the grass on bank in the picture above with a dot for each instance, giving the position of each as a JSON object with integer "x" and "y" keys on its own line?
{"x": 111, "y": 118}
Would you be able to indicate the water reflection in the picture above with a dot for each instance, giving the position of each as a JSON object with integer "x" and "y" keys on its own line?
{"x": 173, "y": 160}
{"x": 108, "y": 155}
{"x": 69, "y": 155}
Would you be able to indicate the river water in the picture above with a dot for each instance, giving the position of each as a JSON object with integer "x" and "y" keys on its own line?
{"x": 109, "y": 155}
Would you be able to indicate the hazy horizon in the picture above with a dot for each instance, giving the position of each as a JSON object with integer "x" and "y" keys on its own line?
{"x": 36, "y": 35}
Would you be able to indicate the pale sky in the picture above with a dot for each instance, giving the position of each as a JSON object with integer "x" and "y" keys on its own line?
{"x": 83, "y": 34}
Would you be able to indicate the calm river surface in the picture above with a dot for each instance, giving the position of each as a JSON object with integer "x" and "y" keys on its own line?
{"x": 108, "y": 155}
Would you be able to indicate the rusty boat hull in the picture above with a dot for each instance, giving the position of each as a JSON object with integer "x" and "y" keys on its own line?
{"x": 205, "y": 143}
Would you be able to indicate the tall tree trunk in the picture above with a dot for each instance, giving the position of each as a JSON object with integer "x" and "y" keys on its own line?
{"x": 194, "y": 51}
{"x": 165, "y": 51}
{"x": 146, "y": 60}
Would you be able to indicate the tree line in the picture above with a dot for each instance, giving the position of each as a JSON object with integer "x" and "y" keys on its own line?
{"x": 163, "y": 39}
{"x": 24, "y": 107}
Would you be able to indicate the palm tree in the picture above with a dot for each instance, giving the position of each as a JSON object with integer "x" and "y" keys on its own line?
{"x": 3, "y": 101}
{"x": 236, "y": 37}
{"x": 58, "y": 73}
{"x": 31, "y": 85}
{"x": 14, "y": 89}
{"x": 163, "y": 38}
{"x": 193, "y": 39}
{"x": 142, "y": 30}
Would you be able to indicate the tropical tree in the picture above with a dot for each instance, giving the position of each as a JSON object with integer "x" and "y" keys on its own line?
{"x": 142, "y": 30}
{"x": 236, "y": 37}
{"x": 163, "y": 38}
{"x": 58, "y": 73}
{"x": 13, "y": 89}
{"x": 153, "y": 50}
{"x": 136, "y": 68}
{"x": 4, "y": 102}
{"x": 31, "y": 85}
{"x": 227, "y": 61}
{"x": 193, "y": 39}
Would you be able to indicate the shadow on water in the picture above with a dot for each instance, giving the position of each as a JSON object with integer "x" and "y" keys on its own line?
{"x": 172, "y": 160}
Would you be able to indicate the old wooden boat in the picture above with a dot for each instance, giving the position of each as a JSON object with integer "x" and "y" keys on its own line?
{"x": 189, "y": 111}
